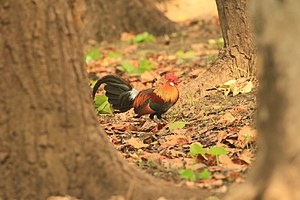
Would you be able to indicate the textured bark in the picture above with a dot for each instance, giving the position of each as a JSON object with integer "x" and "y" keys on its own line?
{"x": 106, "y": 19}
{"x": 237, "y": 30}
{"x": 276, "y": 174}
{"x": 50, "y": 140}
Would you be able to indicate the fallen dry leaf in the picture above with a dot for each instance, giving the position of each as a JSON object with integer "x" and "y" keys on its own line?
{"x": 246, "y": 156}
{"x": 227, "y": 162}
{"x": 236, "y": 86}
{"x": 136, "y": 143}
{"x": 151, "y": 156}
{"x": 172, "y": 140}
{"x": 227, "y": 118}
{"x": 177, "y": 153}
{"x": 174, "y": 163}
{"x": 147, "y": 77}
{"x": 125, "y": 36}
{"x": 221, "y": 135}
{"x": 246, "y": 136}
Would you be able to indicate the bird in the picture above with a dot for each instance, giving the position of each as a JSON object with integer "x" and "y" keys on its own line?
{"x": 152, "y": 101}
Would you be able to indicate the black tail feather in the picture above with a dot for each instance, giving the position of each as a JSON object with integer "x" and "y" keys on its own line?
{"x": 113, "y": 89}
{"x": 110, "y": 79}
{"x": 117, "y": 91}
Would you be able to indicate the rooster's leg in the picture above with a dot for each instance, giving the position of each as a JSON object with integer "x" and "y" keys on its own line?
{"x": 151, "y": 116}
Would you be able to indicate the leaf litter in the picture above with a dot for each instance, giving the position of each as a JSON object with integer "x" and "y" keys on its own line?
{"x": 219, "y": 126}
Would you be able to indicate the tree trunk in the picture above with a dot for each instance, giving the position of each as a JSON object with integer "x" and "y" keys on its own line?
{"x": 50, "y": 142}
{"x": 276, "y": 173}
{"x": 239, "y": 49}
{"x": 107, "y": 20}
{"x": 238, "y": 57}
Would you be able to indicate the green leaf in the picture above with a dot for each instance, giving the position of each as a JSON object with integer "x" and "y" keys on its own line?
{"x": 102, "y": 105}
{"x": 114, "y": 54}
{"x": 187, "y": 174}
{"x": 219, "y": 43}
{"x": 100, "y": 99}
{"x": 179, "y": 53}
{"x": 176, "y": 125}
{"x": 211, "y": 58}
{"x": 127, "y": 67}
{"x": 145, "y": 65}
{"x": 189, "y": 54}
{"x": 185, "y": 55}
{"x": 195, "y": 149}
{"x": 94, "y": 54}
{"x": 92, "y": 83}
{"x": 143, "y": 38}
{"x": 217, "y": 151}
{"x": 145, "y": 51}
{"x": 205, "y": 174}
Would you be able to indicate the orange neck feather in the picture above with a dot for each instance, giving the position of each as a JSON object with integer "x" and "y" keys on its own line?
{"x": 167, "y": 92}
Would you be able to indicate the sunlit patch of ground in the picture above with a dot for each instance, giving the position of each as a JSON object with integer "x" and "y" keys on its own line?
{"x": 182, "y": 10}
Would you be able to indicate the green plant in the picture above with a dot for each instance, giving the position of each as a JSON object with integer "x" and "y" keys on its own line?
{"x": 248, "y": 140}
{"x": 177, "y": 125}
{"x": 144, "y": 65}
{"x": 195, "y": 149}
{"x": 204, "y": 175}
{"x": 143, "y": 38}
{"x": 93, "y": 54}
{"x": 218, "y": 43}
{"x": 187, "y": 174}
{"x": 102, "y": 105}
{"x": 211, "y": 58}
{"x": 126, "y": 67}
{"x": 114, "y": 54}
{"x": 185, "y": 55}
{"x": 217, "y": 151}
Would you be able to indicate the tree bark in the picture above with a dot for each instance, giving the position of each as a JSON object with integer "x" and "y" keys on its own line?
{"x": 238, "y": 57}
{"x": 276, "y": 173}
{"x": 107, "y": 20}
{"x": 239, "y": 52}
{"x": 50, "y": 140}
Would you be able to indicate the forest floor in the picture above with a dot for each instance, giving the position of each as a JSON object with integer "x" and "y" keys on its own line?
{"x": 206, "y": 141}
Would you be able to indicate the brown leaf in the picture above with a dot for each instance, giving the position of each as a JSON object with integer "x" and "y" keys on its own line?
{"x": 197, "y": 46}
{"x": 176, "y": 153}
{"x": 147, "y": 77}
{"x": 176, "y": 163}
{"x": 221, "y": 135}
{"x": 219, "y": 176}
{"x": 148, "y": 125}
{"x": 125, "y": 36}
{"x": 246, "y": 135}
{"x": 136, "y": 143}
{"x": 227, "y": 162}
{"x": 151, "y": 156}
{"x": 172, "y": 140}
{"x": 246, "y": 156}
{"x": 197, "y": 72}
{"x": 227, "y": 118}
{"x": 131, "y": 128}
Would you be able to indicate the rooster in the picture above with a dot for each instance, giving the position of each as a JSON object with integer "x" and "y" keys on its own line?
{"x": 153, "y": 101}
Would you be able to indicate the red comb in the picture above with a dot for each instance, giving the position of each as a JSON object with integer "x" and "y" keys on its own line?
{"x": 172, "y": 77}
